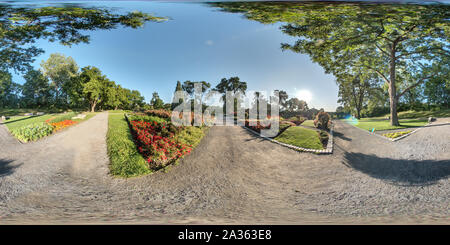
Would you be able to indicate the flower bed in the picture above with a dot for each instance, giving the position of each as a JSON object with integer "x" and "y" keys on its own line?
{"x": 61, "y": 125}
{"x": 33, "y": 132}
{"x": 396, "y": 134}
{"x": 159, "y": 113}
{"x": 258, "y": 127}
{"x": 297, "y": 120}
{"x": 157, "y": 142}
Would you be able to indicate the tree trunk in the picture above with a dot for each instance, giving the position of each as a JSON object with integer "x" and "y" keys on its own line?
{"x": 358, "y": 113}
{"x": 392, "y": 89}
{"x": 93, "y": 104}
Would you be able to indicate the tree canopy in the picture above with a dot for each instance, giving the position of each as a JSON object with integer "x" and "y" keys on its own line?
{"x": 21, "y": 27}
{"x": 389, "y": 40}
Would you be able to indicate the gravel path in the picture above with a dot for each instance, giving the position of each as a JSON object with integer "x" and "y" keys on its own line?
{"x": 231, "y": 177}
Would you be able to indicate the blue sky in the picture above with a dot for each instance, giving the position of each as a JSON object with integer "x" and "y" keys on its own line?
{"x": 197, "y": 43}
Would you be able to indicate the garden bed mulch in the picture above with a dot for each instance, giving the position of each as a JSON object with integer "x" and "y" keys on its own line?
{"x": 328, "y": 150}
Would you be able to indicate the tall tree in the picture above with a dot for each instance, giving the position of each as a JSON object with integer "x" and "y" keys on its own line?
{"x": 110, "y": 95}
{"x": 36, "y": 89}
{"x": 93, "y": 85}
{"x": 60, "y": 70}
{"x": 382, "y": 38}
{"x": 233, "y": 84}
{"x": 354, "y": 91}
{"x": 136, "y": 100}
{"x": 437, "y": 89}
{"x": 283, "y": 97}
{"x": 156, "y": 102}
{"x": 189, "y": 86}
{"x": 294, "y": 104}
{"x": 178, "y": 88}
{"x": 8, "y": 90}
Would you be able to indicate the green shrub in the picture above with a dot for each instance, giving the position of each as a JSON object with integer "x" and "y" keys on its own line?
{"x": 322, "y": 121}
{"x": 146, "y": 118}
{"x": 396, "y": 134}
{"x": 191, "y": 136}
{"x": 63, "y": 117}
{"x": 159, "y": 113}
{"x": 323, "y": 137}
{"x": 33, "y": 132}
{"x": 288, "y": 123}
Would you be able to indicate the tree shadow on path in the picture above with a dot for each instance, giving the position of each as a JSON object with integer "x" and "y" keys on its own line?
{"x": 400, "y": 172}
{"x": 341, "y": 136}
{"x": 6, "y": 168}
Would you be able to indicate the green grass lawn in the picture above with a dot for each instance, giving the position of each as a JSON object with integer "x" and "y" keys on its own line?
{"x": 119, "y": 111}
{"x": 31, "y": 128}
{"x": 22, "y": 121}
{"x": 301, "y": 137}
{"x": 384, "y": 124}
{"x": 21, "y": 111}
{"x": 309, "y": 123}
{"x": 422, "y": 114}
{"x": 125, "y": 160}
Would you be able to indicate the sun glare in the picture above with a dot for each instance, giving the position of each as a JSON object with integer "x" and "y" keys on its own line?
{"x": 305, "y": 95}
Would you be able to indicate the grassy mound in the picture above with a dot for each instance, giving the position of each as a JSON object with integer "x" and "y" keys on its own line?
{"x": 301, "y": 137}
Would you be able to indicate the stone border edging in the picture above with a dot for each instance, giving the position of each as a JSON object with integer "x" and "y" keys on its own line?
{"x": 328, "y": 150}
{"x": 398, "y": 138}
{"x": 408, "y": 134}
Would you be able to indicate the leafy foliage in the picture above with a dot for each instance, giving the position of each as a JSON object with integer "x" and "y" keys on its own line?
{"x": 395, "y": 135}
{"x": 389, "y": 40}
{"x": 156, "y": 102}
{"x": 21, "y": 27}
{"x": 36, "y": 90}
{"x": 159, "y": 113}
{"x": 322, "y": 121}
{"x": 33, "y": 132}
{"x": 160, "y": 142}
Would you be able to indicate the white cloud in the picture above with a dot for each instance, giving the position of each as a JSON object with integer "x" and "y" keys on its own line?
{"x": 209, "y": 42}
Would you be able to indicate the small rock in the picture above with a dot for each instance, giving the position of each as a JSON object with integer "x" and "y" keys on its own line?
{"x": 40, "y": 113}
{"x": 28, "y": 114}
{"x": 3, "y": 118}
{"x": 80, "y": 116}
{"x": 431, "y": 119}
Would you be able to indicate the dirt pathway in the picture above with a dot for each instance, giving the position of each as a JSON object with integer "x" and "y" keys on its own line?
{"x": 231, "y": 177}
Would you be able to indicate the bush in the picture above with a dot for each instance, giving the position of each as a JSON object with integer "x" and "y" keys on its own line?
{"x": 145, "y": 118}
{"x": 396, "y": 134}
{"x": 157, "y": 145}
{"x": 61, "y": 118}
{"x": 33, "y": 132}
{"x": 297, "y": 120}
{"x": 288, "y": 123}
{"x": 322, "y": 121}
{"x": 259, "y": 126}
{"x": 323, "y": 137}
{"x": 159, "y": 113}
